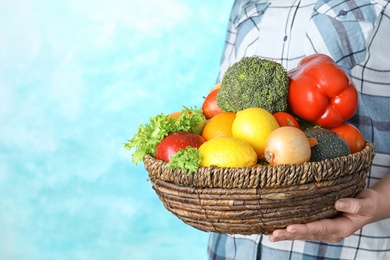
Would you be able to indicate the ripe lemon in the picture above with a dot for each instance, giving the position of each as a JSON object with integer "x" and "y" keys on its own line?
{"x": 219, "y": 126}
{"x": 227, "y": 152}
{"x": 254, "y": 125}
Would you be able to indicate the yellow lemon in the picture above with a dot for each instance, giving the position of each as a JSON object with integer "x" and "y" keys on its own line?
{"x": 227, "y": 152}
{"x": 254, "y": 125}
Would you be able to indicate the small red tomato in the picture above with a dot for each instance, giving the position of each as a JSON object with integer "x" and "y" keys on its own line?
{"x": 351, "y": 135}
{"x": 172, "y": 143}
{"x": 210, "y": 106}
{"x": 217, "y": 86}
{"x": 286, "y": 119}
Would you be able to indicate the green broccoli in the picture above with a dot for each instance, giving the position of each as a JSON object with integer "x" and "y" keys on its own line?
{"x": 254, "y": 82}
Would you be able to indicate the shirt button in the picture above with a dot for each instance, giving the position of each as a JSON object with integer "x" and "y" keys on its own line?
{"x": 343, "y": 12}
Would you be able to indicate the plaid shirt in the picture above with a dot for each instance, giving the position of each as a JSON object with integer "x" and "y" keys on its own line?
{"x": 356, "y": 33}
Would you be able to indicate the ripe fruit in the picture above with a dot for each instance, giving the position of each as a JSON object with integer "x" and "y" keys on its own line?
{"x": 329, "y": 144}
{"x": 286, "y": 119}
{"x": 254, "y": 125}
{"x": 227, "y": 152}
{"x": 172, "y": 143}
{"x": 174, "y": 115}
{"x": 352, "y": 136}
{"x": 217, "y": 86}
{"x": 219, "y": 126}
{"x": 210, "y": 107}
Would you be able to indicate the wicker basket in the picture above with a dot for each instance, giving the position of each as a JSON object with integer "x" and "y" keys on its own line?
{"x": 259, "y": 199}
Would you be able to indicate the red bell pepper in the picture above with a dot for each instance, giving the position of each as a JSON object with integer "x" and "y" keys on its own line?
{"x": 320, "y": 92}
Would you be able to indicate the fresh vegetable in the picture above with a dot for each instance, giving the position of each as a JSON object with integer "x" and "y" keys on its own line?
{"x": 210, "y": 106}
{"x": 321, "y": 92}
{"x": 190, "y": 119}
{"x": 172, "y": 143}
{"x": 286, "y": 119}
{"x": 330, "y": 144}
{"x": 254, "y": 82}
{"x": 304, "y": 125}
{"x": 149, "y": 135}
{"x": 186, "y": 159}
{"x": 351, "y": 135}
{"x": 287, "y": 145}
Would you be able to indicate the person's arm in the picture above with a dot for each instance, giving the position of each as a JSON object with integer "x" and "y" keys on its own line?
{"x": 383, "y": 189}
{"x": 369, "y": 206}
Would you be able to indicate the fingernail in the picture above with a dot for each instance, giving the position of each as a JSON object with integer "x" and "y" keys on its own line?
{"x": 276, "y": 239}
{"x": 292, "y": 230}
{"x": 341, "y": 205}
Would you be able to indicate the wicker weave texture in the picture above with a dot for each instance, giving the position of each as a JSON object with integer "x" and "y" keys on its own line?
{"x": 259, "y": 199}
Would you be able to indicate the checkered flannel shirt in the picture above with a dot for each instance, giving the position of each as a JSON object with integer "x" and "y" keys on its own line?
{"x": 356, "y": 34}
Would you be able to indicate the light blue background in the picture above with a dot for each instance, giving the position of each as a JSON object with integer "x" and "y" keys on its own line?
{"x": 76, "y": 80}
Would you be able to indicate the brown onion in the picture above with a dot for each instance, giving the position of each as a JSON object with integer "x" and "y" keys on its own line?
{"x": 287, "y": 145}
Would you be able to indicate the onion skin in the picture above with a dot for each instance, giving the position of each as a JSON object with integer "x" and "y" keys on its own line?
{"x": 287, "y": 145}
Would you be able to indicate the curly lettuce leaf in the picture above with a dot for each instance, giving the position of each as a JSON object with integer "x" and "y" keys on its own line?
{"x": 149, "y": 135}
{"x": 186, "y": 160}
{"x": 191, "y": 119}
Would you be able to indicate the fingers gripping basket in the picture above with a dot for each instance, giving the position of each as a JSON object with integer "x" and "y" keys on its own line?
{"x": 259, "y": 199}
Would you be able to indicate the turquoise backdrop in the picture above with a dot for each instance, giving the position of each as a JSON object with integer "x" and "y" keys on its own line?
{"x": 76, "y": 80}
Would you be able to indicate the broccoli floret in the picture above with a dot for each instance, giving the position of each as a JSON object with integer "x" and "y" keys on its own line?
{"x": 254, "y": 82}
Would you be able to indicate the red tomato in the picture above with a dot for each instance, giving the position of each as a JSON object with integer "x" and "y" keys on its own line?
{"x": 217, "y": 86}
{"x": 210, "y": 106}
{"x": 172, "y": 143}
{"x": 286, "y": 119}
{"x": 351, "y": 135}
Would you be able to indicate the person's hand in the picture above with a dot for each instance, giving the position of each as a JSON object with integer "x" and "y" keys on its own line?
{"x": 357, "y": 212}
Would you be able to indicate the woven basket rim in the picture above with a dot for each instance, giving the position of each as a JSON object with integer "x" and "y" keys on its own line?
{"x": 264, "y": 176}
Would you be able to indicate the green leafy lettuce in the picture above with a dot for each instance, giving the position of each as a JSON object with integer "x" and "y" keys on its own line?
{"x": 187, "y": 160}
{"x": 149, "y": 135}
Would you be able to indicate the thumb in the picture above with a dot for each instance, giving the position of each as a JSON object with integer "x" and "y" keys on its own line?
{"x": 361, "y": 204}
{"x": 348, "y": 205}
